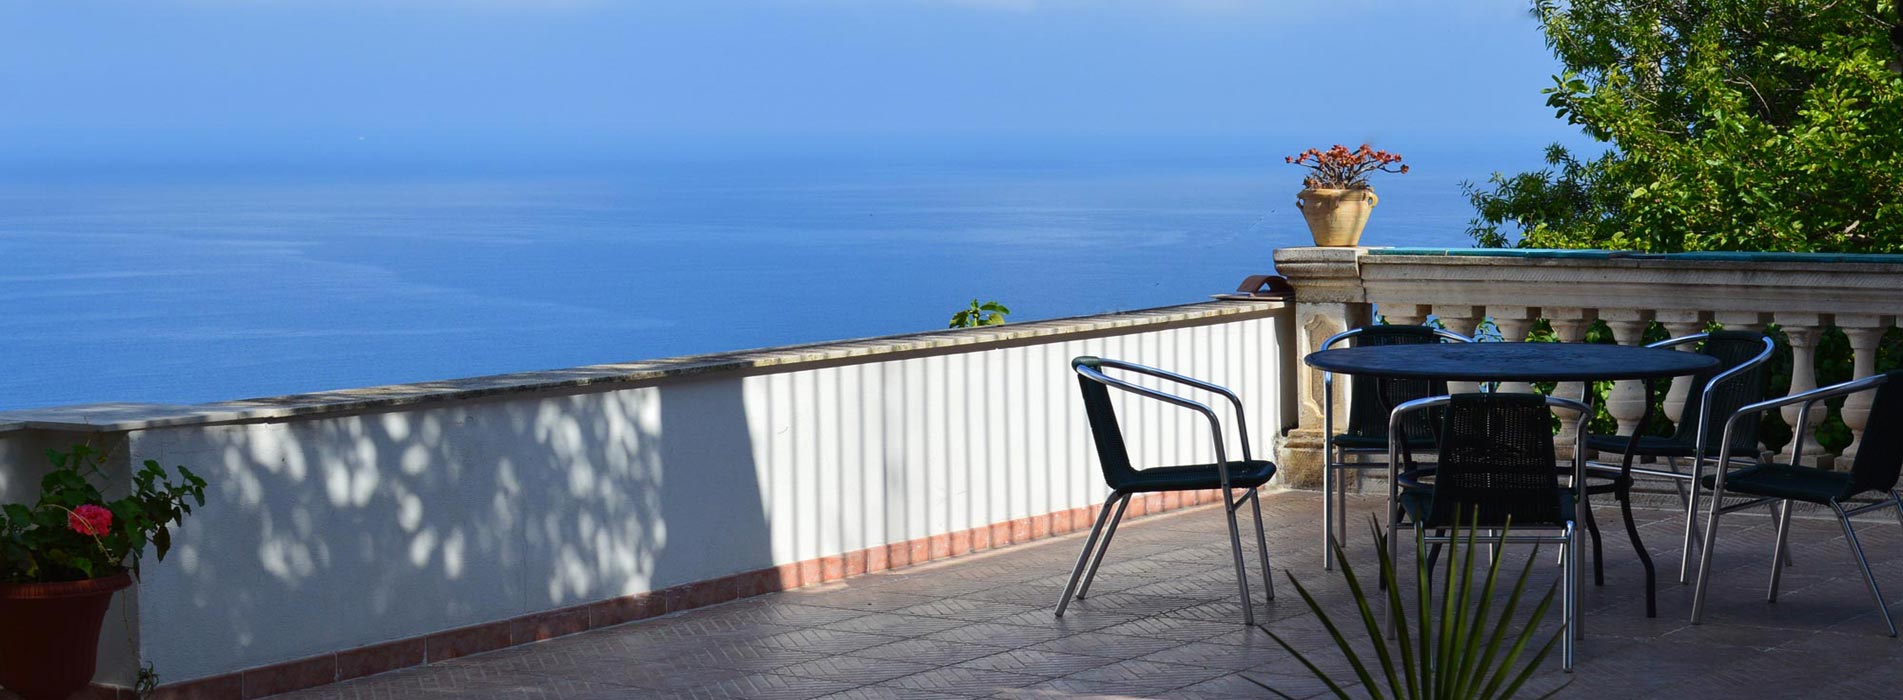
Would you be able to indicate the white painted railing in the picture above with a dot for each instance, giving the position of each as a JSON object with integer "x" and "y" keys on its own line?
{"x": 1804, "y": 295}
{"x": 400, "y": 524}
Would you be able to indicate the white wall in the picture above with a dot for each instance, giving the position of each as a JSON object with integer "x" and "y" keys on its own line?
{"x": 337, "y": 531}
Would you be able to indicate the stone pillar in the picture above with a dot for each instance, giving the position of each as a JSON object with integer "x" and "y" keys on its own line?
{"x": 1680, "y": 323}
{"x": 1514, "y": 323}
{"x": 1627, "y": 401}
{"x": 1569, "y": 326}
{"x": 1864, "y": 332}
{"x": 1328, "y": 300}
{"x": 1802, "y": 329}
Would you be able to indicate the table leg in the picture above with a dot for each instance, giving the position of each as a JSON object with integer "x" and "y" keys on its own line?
{"x": 1592, "y": 527}
{"x": 1624, "y": 493}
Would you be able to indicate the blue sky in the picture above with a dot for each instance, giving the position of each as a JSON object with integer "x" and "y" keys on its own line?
{"x": 237, "y": 76}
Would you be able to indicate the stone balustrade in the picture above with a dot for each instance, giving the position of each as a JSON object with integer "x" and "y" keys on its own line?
{"x": 1803, "y": 295}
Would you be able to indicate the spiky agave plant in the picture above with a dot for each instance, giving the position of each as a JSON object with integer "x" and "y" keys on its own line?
{"x": 1455, "y": 655}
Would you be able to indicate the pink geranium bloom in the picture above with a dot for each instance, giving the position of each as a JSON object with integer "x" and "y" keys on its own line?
{"x": 90, "y": 520}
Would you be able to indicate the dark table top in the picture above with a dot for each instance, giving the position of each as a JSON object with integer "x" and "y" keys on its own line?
{"x": 1511, "y": 362}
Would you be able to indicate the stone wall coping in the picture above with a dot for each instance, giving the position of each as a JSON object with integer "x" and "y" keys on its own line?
{"x": 120, "y": 417}
{"x": 1706, "y": 256}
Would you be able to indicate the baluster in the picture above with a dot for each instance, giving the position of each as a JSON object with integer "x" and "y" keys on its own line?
{"x": 1864, "y": 332}
{"x": 1627, "y": 401}
{"x": 1801, "y": 329}
{"x": 1462, "y": 319}
{"x": 1569, "y": 326}
{"x": 1514, "y": 322}
{"x": 1680, "y": 323}
{"x": 1403, "y": 314}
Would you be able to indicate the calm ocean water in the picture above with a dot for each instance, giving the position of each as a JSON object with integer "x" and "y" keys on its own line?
{"x": 183, "y": 288}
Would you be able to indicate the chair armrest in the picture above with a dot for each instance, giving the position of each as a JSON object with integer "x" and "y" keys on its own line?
{"x": 1681, "y": 340}
{"x": 1242, "y": 420}
{"x": 1215, "y": 422}
{"x": 1804, "y": 400}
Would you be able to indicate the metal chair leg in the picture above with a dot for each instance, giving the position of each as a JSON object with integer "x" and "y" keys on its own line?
{"x": 1262, "y": 544}
{"x": 1777, "y": 550}
{"x": 1090, "y": 546}
{"x": 1897, "y": 497}
{"x": 1569, "y": 588}
{"x": 1598, "y": 551}
{"x": 1709, "y": 545}
{"x": 1579, "y": 587}
{"x": 1091, "y": 573}
{"x": 1777, "y": 521}
{"x": 1235, "y": 544}
{"x": 1691, "y": 525}
{"x": 1341, "y": 504}
{"x": 1856, "y": 549}
{"x": 1328, "y": 509}
{"x": 1394, "y": 558}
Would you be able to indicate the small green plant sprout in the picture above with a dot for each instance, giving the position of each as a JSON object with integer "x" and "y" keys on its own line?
{"x": 1455, "y": 655}
{"x": 990, "y": 313}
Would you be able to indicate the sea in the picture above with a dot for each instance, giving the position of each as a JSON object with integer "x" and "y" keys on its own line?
{"x": 169, "y": 283}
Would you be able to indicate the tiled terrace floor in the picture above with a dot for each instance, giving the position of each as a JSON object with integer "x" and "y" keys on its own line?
{"x": 1163, "y": 623}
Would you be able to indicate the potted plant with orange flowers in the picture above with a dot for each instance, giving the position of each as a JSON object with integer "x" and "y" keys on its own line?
{"x": 1335, "y": 197}
{"x": 63, "y": 558}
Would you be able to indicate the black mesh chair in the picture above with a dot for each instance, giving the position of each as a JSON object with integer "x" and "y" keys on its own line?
{"x": 1874, "y": 471}
{"x": 1126, "y": 480}
{"x": 1366, "y": 435}
{"x": 1741, "y": 378}
{"x": 1495, "y": 469}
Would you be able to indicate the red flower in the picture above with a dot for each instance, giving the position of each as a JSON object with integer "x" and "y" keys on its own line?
{"x": 90, "y": 520}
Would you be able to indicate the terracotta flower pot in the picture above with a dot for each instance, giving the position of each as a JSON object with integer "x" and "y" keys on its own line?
{"x": 1336, "y": 217}
{"x": 50, "y": 645}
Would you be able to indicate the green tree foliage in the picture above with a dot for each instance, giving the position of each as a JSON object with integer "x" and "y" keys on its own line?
{"x": 1729, "y": 124}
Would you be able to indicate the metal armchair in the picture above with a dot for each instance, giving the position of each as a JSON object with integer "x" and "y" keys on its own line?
{"x": 1743, "y": 378}
{"x": 1125, "y": 480}
{"x": 1495, "y": 468}
{"x": 1879, "y": 460}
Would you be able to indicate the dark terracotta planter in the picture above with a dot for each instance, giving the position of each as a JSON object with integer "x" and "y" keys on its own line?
{"x": 49, "y": 634}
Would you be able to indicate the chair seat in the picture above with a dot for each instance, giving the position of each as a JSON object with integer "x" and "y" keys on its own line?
{"x": 1649, "y": 445}
{"x": 1195, "y": 477}
{"x": 1417, "y": 503}
{"x": 1807, "y": 484}
{"x": 1376, "y": 442}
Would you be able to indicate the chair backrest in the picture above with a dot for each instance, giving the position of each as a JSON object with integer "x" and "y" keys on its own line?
{"x": 1880, "y": 450}
{"x": 1112, "y": 454}
{"x": 1733, "y": 349}
{"x": 1371, "y": 399}
{"x": 1497, "y": 458}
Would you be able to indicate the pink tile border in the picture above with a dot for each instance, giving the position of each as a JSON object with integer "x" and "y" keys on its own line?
{"x": 328, "y": 668}
{"x": 378, "y": 658}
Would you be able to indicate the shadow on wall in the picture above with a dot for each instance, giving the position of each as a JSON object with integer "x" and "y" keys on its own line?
{"x": 334, "y": 533}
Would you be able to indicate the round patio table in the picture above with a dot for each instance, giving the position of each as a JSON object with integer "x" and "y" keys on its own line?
{"x": 1531, "y": 362}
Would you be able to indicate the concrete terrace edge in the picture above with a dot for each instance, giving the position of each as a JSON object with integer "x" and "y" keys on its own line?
{"x": 122, "y": 417}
